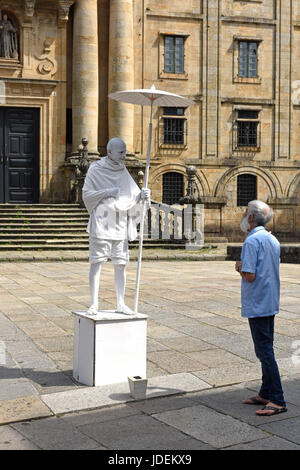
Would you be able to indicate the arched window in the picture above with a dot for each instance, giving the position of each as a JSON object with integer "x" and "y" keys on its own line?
{"x": 246, "y": 189}
{"x": 172, "y": 188}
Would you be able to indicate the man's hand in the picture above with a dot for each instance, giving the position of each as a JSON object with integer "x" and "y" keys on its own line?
{"x": 145, "y": 194}
{"x": 249, "y": 277}
{"x": 113, "y": 192}
{"x": 238, "y": 266}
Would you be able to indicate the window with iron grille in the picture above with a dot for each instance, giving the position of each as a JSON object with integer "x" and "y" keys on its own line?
{"x": 246, "y": 189}
{"x": 172, "y": 188}
{"x": 248, "y": 59}
{"x": 174, "y": 126}
{"x": 248, "y": 134}
{"x": 174, "y": 54}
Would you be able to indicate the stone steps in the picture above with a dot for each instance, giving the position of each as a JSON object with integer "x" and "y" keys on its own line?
{"x": 57, "y": 227}
{"x": 43, "y": 227}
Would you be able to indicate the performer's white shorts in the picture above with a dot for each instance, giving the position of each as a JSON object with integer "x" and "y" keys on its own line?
{"x": 101, "y": 250}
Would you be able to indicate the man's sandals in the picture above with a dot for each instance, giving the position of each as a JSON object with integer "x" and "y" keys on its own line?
{"x": 270, "y": 410}
{"x": 267, "y": 410}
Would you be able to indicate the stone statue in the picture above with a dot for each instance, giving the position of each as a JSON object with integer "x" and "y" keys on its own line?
{"x": 111, "y": 197}
{"x": 8, "y": 39}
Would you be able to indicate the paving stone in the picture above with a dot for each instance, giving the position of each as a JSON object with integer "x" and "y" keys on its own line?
{"x": 99, "y": 416}
{"x": 153, "y": 345}
{"x": 55, "y": 434}
{"x": 40, "y": 329}
{"x": 229, "y": 401}
{"x": 270, "y": 443}
{"x": 10, "y": 439}
{"x": 158, "y": 405}
{"x": 285, "y": 428}
{"x": 23, "y": 408}
{"x": 174, "y": 362}
{"x": 158, "y": 332}
{"x": 58, "y": 343}
{"x": 15, "y": 385}
{"x": 228, "y": 375}
{"x": 217, "y": 357}
{"x": 87, "y": 398}
{"x": 186, "y": 344}
{"x": 154, "y": 371}
{"x": 134, "y": 432}
{"x": 208, "y": 426}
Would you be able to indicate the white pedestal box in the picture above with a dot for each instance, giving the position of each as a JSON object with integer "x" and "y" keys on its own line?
{"x": 109, "y": 347}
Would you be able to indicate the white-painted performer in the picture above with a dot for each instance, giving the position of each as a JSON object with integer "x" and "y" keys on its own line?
{"x": 111, "y": 197}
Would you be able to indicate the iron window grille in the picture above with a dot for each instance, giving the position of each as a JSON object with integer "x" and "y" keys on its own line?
{"x": 247, "y": 131}
{"x": 174, "y": 54}
{"x": 173, "y": 188}
{"x": 246, "y": 189}
{"x": 248, "y": 60}
{"x": 174, "y": 127}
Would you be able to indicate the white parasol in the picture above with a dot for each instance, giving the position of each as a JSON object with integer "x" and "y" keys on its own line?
{"x": 148, "y": 97}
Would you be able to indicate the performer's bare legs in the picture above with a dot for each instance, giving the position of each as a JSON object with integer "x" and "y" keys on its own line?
{"x": 94, "y": 278}
{"x": 120, "y": 284}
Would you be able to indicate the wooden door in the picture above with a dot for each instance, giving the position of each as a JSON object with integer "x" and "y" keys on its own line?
{"x": 19, "y": 155}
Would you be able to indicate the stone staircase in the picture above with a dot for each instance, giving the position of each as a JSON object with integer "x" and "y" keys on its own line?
{"x": 52, "y": 227}
{"x": 40, "y": 227}
{"x": 43, "y": 227}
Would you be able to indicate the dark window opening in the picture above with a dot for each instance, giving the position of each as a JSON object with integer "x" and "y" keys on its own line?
{"x": 174, "y": 54}
{"x": 247, "y": 130}
{"x": 248, "y": 59}
{"x": 172, "y": 188}
{"x": 174, "y": 127}
{"x": 246, "y": 189}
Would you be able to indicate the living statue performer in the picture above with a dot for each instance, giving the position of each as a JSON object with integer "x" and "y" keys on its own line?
{"x": 8, "y": 39}
{"x": 112, "y": 198}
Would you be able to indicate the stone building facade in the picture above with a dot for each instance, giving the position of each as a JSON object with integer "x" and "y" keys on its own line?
{"x": 237, "y": 59}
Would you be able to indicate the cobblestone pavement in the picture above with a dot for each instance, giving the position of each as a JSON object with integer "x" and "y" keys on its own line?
{"x": 201, "y": 362}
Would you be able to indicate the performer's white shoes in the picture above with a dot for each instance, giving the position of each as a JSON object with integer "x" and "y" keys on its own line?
{"x": 92, "y": 310}
{"x": 120, "y": 309}
{"x": 124, "y": 309}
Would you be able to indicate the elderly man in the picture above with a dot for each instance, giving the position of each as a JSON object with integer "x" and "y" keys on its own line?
{"x": 259, "y": 269}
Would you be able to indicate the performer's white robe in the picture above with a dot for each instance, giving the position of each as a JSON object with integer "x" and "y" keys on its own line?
{"x": 111, "y": 218}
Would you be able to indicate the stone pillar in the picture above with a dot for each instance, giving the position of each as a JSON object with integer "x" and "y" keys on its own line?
{"x": 284, "y": 44}
{"x": 85, "y": 74}
{"x": 121, "y": 69}
{"x": 211, "y": 90}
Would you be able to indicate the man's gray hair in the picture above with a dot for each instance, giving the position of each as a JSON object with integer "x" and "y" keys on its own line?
{"x": 261, "y": 211}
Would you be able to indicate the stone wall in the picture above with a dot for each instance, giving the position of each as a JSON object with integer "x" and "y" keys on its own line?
{"x": 69, "y": 59}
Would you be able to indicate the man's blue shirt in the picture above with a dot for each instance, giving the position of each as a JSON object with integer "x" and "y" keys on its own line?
{"x": 261, "y": 256}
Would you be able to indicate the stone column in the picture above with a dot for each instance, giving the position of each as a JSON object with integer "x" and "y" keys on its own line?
{"x": 121, "y": 69}
{"x": 85, "y": 74}
{"x": 211, "y": 90}
{"x": 283, "y": 114}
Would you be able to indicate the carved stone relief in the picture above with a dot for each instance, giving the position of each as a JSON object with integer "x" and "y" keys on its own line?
{"x": 63, "y": 9}
{"x": 47, "y": 65}
{"x": 29, "y": 8}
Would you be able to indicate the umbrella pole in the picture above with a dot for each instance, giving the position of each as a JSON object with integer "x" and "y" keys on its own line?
{"x": 139, "y": 262}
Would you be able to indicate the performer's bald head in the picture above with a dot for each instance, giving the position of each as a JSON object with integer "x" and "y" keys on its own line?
{"x": 116, "y": 150}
